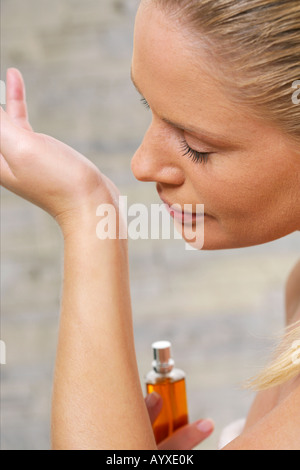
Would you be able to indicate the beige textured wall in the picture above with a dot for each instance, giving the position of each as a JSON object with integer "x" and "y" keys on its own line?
{"x": 216, "y": 308}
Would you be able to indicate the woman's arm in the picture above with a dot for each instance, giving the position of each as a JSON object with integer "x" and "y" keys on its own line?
{"x": 97, "y": 399}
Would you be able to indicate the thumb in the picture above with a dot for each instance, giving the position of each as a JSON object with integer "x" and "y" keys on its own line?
{"x": 154, "y": 404}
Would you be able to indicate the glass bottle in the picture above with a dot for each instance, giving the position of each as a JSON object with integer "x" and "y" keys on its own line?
{"x": 170, "y": 384}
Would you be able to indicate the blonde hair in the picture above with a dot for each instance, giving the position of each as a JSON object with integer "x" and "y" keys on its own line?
{"x": 253, "y": 48}
{"x": 285, "y": 364}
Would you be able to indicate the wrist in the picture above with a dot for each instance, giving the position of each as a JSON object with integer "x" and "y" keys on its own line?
{"x": 96, "y": 217}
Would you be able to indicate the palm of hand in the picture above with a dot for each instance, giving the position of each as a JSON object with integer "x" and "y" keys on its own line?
{"x": 38, "y": 167}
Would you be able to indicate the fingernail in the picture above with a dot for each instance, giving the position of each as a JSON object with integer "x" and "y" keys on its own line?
{"x": 152, "y": 399}
{"x": 205, "y": 426}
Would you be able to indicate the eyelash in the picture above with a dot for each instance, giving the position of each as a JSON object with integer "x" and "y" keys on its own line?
{"x": 197, "y": 157}
{"x": 145, "y": 103}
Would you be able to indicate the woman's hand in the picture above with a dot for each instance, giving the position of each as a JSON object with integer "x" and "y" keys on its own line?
{"x": 185, "y": 438}
{"x": 41, "y": 169}
{"x": 96, "y": 373}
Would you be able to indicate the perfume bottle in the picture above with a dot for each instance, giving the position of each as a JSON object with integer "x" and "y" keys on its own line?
{"x": 170, "y": 384}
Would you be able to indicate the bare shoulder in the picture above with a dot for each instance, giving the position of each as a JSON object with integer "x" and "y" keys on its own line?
{"x": 274, "y": 421}
{"x": 292, "y": 293}
{"x": 279, "y": 429}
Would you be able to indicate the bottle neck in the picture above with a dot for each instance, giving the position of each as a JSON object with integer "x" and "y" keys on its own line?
{"x": 163, "y": 368}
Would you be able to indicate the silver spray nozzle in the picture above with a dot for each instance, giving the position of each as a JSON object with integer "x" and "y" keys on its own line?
{"x": 163, "y": 361}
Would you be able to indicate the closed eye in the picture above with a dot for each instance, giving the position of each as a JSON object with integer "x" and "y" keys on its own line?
{"x": 197, "y": 157}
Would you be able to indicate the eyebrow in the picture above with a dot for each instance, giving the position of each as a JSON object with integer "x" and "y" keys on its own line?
{"x": 217, "y": 140}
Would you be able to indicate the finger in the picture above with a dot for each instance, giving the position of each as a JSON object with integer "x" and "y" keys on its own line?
{"x": 14, "y": 141}
{"x": 154, "y": 404}
{"x": 189, "y": 436}
{"x": 16, "y": 106}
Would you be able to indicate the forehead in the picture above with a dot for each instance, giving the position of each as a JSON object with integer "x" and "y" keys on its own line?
{"x": 178, "y": 80}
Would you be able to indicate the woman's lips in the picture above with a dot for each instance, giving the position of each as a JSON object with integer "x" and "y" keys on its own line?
{"x": 182, "y": 216}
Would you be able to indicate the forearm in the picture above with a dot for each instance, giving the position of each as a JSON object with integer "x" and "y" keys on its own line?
{"x": 97, "y": 398}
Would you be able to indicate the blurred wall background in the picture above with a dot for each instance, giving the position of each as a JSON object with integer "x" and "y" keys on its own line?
{"x": 219, "y": 309}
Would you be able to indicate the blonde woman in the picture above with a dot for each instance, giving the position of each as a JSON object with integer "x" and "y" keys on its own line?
{"x": 220, "y": 78}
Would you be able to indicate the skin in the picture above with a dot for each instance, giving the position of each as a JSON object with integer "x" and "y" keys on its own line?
{"x": 250, "y": 188}
{"x": 94, "y": 300}
{"x": 250, "y": 194}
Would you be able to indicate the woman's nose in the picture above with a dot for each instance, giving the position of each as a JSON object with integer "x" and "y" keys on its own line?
{"x": 155, "y": 161}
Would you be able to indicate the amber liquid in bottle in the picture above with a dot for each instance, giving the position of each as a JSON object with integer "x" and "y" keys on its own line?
{"x": 170, "y": 384}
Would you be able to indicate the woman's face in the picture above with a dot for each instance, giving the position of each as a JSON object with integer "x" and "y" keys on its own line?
{"x": 249, "y": 182}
